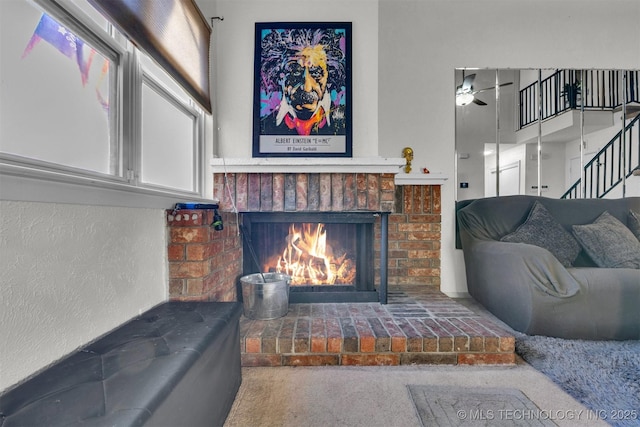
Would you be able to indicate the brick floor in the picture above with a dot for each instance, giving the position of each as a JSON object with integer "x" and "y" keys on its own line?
{"x": 420, "y": 325}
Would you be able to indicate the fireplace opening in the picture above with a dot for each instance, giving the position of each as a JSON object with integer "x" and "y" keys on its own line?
{"x": 328, "y": 255}
{"x": 311, "y": 253}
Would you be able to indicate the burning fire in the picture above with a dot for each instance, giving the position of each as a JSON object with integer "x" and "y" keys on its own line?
{"x": 308, "y": 258}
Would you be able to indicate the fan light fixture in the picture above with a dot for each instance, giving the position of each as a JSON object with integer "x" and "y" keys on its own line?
{"x": 465, "y": 93}
{"x": 463, "y": 99}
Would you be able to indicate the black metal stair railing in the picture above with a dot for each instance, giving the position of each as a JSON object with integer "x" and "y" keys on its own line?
{"x": 594, "y": 90}
{"x": 607, "y": 168}
{"x": 563, "y": 91}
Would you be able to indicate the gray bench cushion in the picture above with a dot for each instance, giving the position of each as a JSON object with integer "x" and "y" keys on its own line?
{"x": 150, "y": 370}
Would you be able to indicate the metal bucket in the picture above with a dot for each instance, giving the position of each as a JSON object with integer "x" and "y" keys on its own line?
{"x": 268, "y": 300}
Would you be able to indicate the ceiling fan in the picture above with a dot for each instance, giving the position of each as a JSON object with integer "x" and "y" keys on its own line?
{"x": 465, "y": 94}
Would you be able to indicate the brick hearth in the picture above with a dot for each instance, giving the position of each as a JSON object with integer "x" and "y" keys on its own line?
{"x": 420, "y": 325}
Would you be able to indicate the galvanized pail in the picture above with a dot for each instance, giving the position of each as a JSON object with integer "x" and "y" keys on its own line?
{"x": 268, "y": 299}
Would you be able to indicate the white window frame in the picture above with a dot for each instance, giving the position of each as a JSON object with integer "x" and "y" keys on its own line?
{"x": 32, "y": 180}
{"x": 187, "y": 106}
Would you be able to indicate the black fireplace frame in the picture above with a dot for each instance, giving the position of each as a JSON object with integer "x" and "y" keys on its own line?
{"x": 364, "y": 290}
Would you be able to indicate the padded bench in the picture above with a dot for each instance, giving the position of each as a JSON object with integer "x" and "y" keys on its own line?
{"x": 177, "y": 364}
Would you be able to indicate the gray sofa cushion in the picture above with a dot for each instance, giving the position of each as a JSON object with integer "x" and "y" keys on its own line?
{"x": 541, "y": 229}
{"x": 634, "y": 222}
{"x": 609, "y": 242}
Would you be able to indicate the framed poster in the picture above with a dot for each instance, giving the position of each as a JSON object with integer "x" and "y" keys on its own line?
{"x": 302, "y": 90}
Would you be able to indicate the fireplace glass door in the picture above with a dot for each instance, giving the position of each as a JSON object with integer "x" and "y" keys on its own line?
{"x": 328, "y": 255}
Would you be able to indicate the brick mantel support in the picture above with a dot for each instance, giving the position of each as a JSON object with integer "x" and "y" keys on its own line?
{"x": 315, "y": 192}
{"x": 415, "y": 236}
{"x": 204, "y": 264}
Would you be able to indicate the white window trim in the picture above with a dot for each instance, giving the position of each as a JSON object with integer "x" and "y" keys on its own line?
{"x": 31, "y": 180}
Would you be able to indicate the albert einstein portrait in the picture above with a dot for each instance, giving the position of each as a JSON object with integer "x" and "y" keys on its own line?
{"x": 303, "y": 81}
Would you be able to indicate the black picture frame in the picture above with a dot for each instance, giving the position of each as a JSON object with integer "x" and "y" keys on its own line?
{"x": 302, "y": 90}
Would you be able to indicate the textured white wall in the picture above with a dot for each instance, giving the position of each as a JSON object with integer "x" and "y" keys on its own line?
{"x": 71, "y": 273}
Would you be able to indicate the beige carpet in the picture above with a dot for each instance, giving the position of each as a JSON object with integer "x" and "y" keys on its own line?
{"x": 379, "y": 396}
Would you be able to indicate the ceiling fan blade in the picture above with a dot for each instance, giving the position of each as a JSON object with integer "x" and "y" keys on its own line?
{"x": 479, "y": 102}
{"x": 492, "y": 87}
{"x": 467, "y": 84}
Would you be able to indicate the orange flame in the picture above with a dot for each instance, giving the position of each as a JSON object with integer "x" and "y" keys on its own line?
{"x": 308, "y": 259}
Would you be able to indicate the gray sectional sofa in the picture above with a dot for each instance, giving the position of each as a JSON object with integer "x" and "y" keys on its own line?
{"x": 562, "y": 268}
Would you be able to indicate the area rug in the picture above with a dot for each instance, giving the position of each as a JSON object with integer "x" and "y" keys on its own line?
{"x": 603, "y": 375}
{"x": 445, "y": 406}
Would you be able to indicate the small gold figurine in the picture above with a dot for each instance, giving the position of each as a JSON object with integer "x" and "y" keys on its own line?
{"x": 407, "y": 153}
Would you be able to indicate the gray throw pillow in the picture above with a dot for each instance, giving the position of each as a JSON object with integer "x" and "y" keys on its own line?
{"x": 634, "y": 223}
{"x": 609, "y": 242}
{"x": 541, "y": 229}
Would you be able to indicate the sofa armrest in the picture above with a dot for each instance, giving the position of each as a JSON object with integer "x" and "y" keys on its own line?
{"x": 516, "y": 282}
{"x": 521, "y": 264}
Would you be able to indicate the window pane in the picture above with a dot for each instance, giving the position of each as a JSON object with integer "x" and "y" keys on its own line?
{"x": 154, "y": 72}
{"x": 55, "y": 92}
{"x": 168, "y": 141}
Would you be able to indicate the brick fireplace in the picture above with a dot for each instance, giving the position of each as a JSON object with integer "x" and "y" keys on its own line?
{"x": 419, "y": 325}
{"x": 205, "y": 264}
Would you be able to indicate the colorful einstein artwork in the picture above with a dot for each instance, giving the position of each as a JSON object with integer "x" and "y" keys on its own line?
{"x": 302, "y": 90}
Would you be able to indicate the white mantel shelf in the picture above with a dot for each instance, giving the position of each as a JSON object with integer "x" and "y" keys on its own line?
{"x": 392, "y": 165}
{"x": 420, "y": 178}
{"x": 308, "y": 165}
